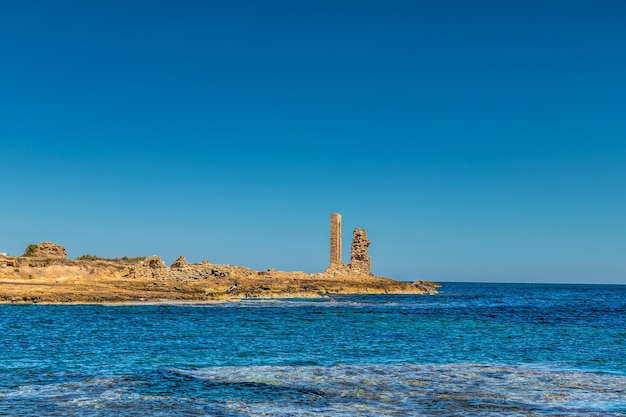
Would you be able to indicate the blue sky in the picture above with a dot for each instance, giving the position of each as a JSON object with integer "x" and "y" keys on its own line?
{"x": 475, "y": 141}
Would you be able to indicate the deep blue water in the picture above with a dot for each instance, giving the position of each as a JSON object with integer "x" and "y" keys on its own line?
{"x": 472, "y": 350}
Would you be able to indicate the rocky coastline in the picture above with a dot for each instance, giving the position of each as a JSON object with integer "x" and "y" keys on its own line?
{"x": 44, "y": 275}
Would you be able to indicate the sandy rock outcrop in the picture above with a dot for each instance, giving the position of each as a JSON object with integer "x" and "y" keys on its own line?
{"x": 180, "y": 263}
{"x": 155, "y": 262}
{"x": 149, "y": 268}
{"x": 183, "y": 271}
{"x": 428, "y": 287}
{"x": 46, "y": 250}
{"x": 337, "y": 270}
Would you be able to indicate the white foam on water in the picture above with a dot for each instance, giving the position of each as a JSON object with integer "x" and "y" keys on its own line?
{"x": 470, "y": 389}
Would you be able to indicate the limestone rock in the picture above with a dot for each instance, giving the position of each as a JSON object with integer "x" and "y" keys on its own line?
{"x": 46, "y": 250}
{"x": 180, "y": 263}
{"x": 428, "y": 287}
{"x": 149, "y": 268}
{"x": 360, "y": 262}
{"x": 337, "y": 270}
{"x": 155, "y": 262}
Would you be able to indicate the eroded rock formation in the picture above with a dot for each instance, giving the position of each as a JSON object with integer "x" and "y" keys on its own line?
{"x": 360, "y": 262}
{"x": 46, "y": 250}
{"x": 180, "y": 263}
{"x": 183, "y": 271}
{"x": 149, "y": 268}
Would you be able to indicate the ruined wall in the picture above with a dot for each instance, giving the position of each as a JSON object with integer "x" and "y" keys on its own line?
{"x": 181, "y": 270}
{"x": 360, "y": 262}
{"x": 335, "y": 239}
{"x": 149, "y": 268}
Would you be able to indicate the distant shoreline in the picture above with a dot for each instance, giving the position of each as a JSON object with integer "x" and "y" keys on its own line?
{"x": 45, "y": 280}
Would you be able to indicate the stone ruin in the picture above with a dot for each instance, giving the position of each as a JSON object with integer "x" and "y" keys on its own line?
{"x": 180, "y": 263}
{"x": 335, "y": 239}
{"x": 148, "y": 268}
{"x": 46, "y": 250}
{"x": 360, "y": 261}
{"x": 181, "y": 270}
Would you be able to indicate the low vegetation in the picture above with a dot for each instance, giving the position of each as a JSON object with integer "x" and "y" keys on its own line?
{"x": 124, "y": 260}
{"x": 30, "y": 250}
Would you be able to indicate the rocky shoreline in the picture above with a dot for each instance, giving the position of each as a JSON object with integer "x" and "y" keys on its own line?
{"x": 44, "y": 275}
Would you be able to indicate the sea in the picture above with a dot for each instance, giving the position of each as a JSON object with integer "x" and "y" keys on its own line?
{"x": 471, "y": 350}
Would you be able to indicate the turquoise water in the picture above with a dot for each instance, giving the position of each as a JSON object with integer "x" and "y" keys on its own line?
{"x": 473, "y": 350}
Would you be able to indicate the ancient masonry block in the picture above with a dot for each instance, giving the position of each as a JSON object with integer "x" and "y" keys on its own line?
{"x": 360, "y": 262}
{"x": 335, "y": 239}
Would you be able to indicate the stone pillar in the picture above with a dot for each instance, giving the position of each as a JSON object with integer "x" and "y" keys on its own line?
{"x": 335, "y": 239}
{"x": 360, "y": 262}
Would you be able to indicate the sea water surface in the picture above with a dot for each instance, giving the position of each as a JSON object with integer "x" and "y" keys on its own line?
{"x": 472, "y": 350}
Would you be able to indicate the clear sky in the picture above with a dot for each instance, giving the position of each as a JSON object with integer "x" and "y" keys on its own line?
{"x": 474, "y": 140}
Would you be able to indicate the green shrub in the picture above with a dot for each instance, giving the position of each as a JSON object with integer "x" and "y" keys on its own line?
{"x": 88, "y": 257}
{"x": 132, "y": 261}
{"x": 125, "y": 260}
{"x": 30, "y": 250}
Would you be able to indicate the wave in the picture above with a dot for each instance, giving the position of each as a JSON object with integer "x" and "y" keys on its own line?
{"x": 469, "y": 389}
